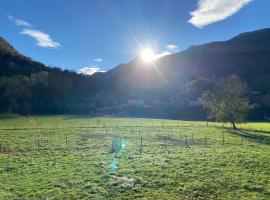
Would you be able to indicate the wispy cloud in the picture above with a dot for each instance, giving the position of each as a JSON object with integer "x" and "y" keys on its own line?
{"x": 163, "y": 53}
{"x": 90, "y": 70}
{"x": 43, "y": 39}
{"x": 210, "y": 11}
{"x": 19, "y": 22}
{"x": 98, "y": 60}
{"x": 172, "y": 47}
{"x": 169, "y": 49}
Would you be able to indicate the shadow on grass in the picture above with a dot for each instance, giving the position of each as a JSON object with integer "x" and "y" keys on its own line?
{"x": 252, "y": 136}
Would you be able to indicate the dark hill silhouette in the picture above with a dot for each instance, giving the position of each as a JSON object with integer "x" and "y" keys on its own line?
{"x": 13, "y": 63}
{"x": 5, "y": 47}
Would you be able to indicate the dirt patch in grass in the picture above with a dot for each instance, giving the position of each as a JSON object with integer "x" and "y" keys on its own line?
{"x": 125, "y": 181}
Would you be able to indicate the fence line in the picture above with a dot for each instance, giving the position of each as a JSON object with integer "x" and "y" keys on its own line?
{"x": 207, "y": 124}
{"x": 141, "y": 142}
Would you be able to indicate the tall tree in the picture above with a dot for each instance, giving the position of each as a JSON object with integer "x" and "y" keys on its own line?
{"x": 228, "y": 103}
{"x": 196, "y": 87}
{"x": 18, "y": 94}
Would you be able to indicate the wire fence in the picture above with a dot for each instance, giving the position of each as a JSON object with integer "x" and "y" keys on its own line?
{"x": 138, "y": 137}
{"x": 100, "y": 124}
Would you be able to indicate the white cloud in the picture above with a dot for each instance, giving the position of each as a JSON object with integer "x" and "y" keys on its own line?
{"x": 210, "y": 11}
{"x": 90, "y": 70}
{"x": 43, "y": 39}
{"x": 98, "y": 60}
{"x": 19, "y": 22}
{"x": 169, "y": 49}
{"x": 163, "y": 53}
{"x": 172, "y": 47}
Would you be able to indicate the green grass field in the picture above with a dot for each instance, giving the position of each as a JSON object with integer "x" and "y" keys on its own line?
{"x": 70, "y": 157}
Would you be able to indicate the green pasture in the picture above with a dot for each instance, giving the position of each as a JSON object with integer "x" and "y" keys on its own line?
{"x": 72, "y": 157}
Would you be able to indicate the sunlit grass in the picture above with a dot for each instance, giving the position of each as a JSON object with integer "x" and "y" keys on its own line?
{"x": 73, "y": 160}
{"x": 86, "y": 121}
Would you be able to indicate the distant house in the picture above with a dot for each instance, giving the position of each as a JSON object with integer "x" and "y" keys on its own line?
{"x": 197, "y": 102}
{"x": 255, "y": 105}
{"x": 256, "y": 92}
{"x": 40, "y": 78}
{"x": 135, "y": 102}
{"x": 152, "y": 103}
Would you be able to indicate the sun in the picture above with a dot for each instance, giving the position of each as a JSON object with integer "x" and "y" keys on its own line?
{"x": 147, "y": 55}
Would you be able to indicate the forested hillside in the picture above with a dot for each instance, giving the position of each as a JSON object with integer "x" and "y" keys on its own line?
{"x": 27, "y": 86}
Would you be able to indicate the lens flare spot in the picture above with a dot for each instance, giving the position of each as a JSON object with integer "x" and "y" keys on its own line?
{"x": 113, "y": 166}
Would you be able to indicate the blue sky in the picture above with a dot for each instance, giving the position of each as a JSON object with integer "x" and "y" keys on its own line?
{"x": 99, "y": 34}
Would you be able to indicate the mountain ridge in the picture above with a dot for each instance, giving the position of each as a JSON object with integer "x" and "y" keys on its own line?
{"x": 236, "y": 46}
{"x": 246, "y": 55}
{"x": 6, "y": 47}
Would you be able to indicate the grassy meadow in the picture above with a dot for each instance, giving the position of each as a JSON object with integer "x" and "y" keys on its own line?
{"x": 72, "y": 157}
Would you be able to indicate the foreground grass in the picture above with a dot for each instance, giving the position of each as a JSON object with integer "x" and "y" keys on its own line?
{"x": 64, "y": 157}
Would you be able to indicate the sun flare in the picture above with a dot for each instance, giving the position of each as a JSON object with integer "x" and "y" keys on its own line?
{"x": 147, "y": 55}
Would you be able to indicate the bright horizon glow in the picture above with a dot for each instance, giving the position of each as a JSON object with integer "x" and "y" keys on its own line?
{"x": 148, "y": 55}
